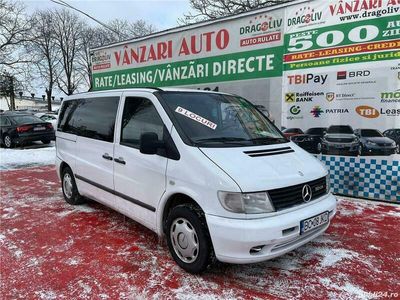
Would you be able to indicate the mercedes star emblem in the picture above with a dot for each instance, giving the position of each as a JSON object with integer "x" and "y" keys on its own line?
{"x": 306, "y": 193}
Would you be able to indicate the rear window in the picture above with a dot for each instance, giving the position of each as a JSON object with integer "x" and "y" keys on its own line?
{"x": 293, "y": 130}
{"x": 26, "y": 119}
{"x": 340, "y": 129}
{"x": 370, "y": 133}
{"x": 319, "y": 131}
{"x": 93, "y": 117}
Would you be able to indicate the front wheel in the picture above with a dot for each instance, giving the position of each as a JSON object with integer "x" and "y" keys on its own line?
{"x": 188, "y": 238}
{"x": 360, "y": 150}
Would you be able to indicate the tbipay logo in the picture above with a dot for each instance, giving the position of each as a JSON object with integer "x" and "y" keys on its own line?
{"x": 307, "y": 78}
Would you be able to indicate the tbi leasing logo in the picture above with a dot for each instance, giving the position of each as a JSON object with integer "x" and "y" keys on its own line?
{"x": 367, "y": 111}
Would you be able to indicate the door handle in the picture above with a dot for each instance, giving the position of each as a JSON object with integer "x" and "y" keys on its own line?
{"x": 107, "y": 156}
{"x": 120, "y": 161}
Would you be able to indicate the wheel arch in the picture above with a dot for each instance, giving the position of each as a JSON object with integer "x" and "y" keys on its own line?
{"x": 173, "y": 200}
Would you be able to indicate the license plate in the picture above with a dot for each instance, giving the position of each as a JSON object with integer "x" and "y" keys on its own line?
{"x": 314, "y": 222}
{"x": 339, "y": 146}
{"x": 39, "y": 128}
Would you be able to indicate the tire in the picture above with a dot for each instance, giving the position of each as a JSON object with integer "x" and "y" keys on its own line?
{"x": 360, "y": 150}
{"x": 69, "y": 188}
{"x": 46, "y": 141}
{"x": 319, "y": 148}
{"x": 186, "y": 227}
{"x": 7, "y": 141}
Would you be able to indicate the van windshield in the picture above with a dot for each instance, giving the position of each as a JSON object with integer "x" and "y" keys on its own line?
{"x": 214, "y": 120}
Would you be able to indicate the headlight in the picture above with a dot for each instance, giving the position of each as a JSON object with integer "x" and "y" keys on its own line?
{"x": 328, "y": 183}
{"x": 371, "y": 143}
{"x": 394, "y": 144}
{"x": 250, "y": 203}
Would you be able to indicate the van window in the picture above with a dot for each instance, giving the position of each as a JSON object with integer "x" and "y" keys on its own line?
{"x": 92, "y": 118}
{"x": 66, "y": 113}
{"x": 95, "y": 118}
{"x": 217, "y": 120}
{"x": 140, "y": 116}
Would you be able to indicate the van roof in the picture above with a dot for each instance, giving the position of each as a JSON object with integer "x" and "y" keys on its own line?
{"x": 144, "y": 89}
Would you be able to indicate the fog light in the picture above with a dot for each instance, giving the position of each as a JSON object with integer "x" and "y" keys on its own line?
{"x": 256, "y": 249}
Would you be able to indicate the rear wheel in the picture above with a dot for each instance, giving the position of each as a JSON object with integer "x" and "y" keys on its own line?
{"x": 46, "y": 141}
{"x": 69, "y": 188}
{"x": 188, "y": 238}
{"x": 7, "y": 141}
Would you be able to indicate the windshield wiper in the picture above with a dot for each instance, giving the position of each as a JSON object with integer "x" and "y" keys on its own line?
{"x": 268, "y": 139}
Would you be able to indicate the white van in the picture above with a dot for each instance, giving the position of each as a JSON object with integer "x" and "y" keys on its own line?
{"x": 205, "y": 169}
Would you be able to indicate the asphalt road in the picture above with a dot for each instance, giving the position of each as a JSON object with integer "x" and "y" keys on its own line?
{"x": 51, "y": 250}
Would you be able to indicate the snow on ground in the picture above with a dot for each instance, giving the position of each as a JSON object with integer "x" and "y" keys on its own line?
{"x": 21, "y": 158}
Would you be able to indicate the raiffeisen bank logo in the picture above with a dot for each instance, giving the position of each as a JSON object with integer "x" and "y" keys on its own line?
{"x": 316, "y": 111}
{"x": 305, "y": 16}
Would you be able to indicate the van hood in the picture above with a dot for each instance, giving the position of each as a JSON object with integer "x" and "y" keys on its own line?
{"x": 266, "y": 167}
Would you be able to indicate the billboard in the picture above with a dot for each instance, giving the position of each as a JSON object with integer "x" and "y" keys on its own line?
{"x": 327, "y": 70}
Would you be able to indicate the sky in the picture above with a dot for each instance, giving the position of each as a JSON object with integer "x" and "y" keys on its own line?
{"x": 161, "y": 13}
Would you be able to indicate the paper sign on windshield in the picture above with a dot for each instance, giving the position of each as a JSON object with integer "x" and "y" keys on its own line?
{"x": 195, "y": 117}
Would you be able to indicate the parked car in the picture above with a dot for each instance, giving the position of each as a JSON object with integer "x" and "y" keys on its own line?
{"x": 288, "y": 132}
{"x": 47, "y": 117}
{"x": 393, "y": 134}
{"x": 215, "y": 184}
{"x": 16, "y": 129}
{"x": 311, "y": 140}
{"x": 340, "y": 139}
{"x": 372, "y": 142}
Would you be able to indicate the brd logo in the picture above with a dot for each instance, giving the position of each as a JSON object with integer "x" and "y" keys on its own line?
{"x": 367, "y": 111}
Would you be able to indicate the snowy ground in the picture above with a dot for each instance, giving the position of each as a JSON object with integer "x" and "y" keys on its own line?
{"x": 52, "y": 250}
{"x": 36, "y": 154}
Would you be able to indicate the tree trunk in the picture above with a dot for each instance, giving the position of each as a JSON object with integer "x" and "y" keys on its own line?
{"x": 49, "y": 94}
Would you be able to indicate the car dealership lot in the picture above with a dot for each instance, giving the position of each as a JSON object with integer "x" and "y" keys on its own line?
{"x": 51, "y": 250}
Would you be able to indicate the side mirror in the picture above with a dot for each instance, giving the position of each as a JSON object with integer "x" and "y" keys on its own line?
{"x": 149, "y": 143}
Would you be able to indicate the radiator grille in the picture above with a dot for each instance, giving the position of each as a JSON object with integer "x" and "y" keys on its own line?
{"x": 291, "y": 196}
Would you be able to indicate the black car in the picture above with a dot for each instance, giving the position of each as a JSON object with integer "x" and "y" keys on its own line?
{"x": 311, "y": 139}
{"x": 372, "y": 142}
{"x": 393, "y": 134}
{"x": 341, "y": 140}
{"x": 16, "y": 129}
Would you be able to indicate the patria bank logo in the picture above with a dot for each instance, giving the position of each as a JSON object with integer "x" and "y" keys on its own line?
{"x": 316, "y": 111}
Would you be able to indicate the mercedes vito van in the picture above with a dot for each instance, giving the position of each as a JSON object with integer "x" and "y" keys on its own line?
{"x": 206, "y": 170}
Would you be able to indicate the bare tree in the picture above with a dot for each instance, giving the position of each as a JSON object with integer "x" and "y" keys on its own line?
{"x": 14, "y": 28}
{"x": 68, "y": 32}
{"x": 46, "y": 56}
{"x": 212, "y": 9}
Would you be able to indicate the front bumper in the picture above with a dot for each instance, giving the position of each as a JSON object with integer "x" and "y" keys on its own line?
{"x": 380, "y": 150}
{"x": 340, "y": 147}
{"x": 234, "y": 238}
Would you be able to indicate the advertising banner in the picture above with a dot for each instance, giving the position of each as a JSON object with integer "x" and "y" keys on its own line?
{"x": 341, "y": 87}
{"x": 328, "y": 72}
